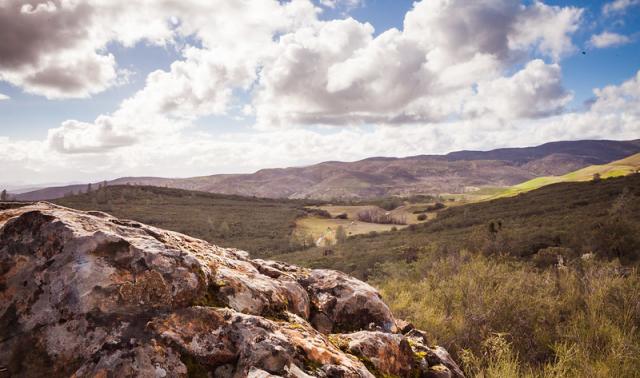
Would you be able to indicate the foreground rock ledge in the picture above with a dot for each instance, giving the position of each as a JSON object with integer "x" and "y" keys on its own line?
{"x": 84, "y": 294}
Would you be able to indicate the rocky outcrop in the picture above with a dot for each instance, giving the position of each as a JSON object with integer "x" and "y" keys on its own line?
{"x": 84, "y": 294}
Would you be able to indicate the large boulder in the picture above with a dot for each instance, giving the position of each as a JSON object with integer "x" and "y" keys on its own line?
{"x": 84, "y": 294}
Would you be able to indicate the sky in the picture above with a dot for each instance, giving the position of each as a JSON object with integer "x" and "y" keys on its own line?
{"x": 100, "y": 89}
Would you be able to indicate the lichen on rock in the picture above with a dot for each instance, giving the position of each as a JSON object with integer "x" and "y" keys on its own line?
{"x": 84, "y": 294}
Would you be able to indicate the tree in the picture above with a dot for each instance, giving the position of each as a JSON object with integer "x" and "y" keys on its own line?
{"x": 596, "y": 177}
{"x": 89, "y": 188}
{"x": 4, "y": 196}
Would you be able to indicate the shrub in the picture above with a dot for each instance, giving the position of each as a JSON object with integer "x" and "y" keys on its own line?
{"x": 550, "y": 256}
{"x": 616, "y": 238}
{"x": 341, "y": 235}
{"x": 342, "y": 216}
{"x": 435, "y": 207}
{"x": 422, "y": 217}
{"x": 318, "y": 212}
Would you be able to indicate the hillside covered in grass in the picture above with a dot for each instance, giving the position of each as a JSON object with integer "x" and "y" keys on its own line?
{"x": 544, "y": 284}
{"x": 569, "y": 215}
{"x": 262, "y": 226}
{"x": 616, "y": 168}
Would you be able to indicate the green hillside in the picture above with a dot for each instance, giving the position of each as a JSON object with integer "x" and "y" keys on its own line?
{"x": 617, "y": 168}
{"x": 561, "y": 215}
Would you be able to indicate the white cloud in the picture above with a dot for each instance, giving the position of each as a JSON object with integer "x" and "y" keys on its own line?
{"x": 619, "y": 99}
{"x": 79, "y": 137}
{"x": 608, "y": 39}
{"x": 347, "y": 4}
{"x": 337, "y": 73}
{"x": 535, "y": 91}
{"x": 200, "y": 84}
{"x": 4, "y": 97}
{"x": 299, "y": 70}
{"x": 617, "y": 6}
{"x": 57, "y": 48}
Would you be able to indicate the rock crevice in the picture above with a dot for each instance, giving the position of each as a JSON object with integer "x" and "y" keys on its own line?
{"x": 84, "y": 294}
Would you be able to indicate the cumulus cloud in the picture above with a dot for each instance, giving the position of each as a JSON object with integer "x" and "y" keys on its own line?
{"x": 298, "y": 69}
{"x": 58, "y": 48}
{"x": 201, "y": 83}
{"x": 618, "y": 6}
{"x": 608, "y": 39}
{"x": 80, "y": 137}
{"x": 337, "y": 73}
{"x": 4, "y": 97}
{"x": 535, "y": 91}
{"x": 347, "y": 4}
{"x": 619, "y": 99}
{"x": 46, "y": 50}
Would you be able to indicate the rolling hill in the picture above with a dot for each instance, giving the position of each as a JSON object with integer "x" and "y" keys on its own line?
{"x": 456, "y": 172}
{"x": 616, "y": 168}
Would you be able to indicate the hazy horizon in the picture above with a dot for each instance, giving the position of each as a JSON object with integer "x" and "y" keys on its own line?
{"x": 23, "y": 186}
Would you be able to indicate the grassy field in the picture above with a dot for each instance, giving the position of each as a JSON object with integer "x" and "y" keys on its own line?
{"x": 617, "y": 168}
{"x": 260, "y": 226}
{"x": 323, "y": 230}
{"x": 407, "y": 210}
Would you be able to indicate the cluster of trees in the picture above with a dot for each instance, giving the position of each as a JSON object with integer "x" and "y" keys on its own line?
{"x": 374, "y": 215}
{"x": 4, "y": 196}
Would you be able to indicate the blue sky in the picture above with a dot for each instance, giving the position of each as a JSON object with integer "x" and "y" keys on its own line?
{"x": 254, "y": 108}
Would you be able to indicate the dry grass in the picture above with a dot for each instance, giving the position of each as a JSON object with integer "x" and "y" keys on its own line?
{"x": 505, "y": 318}
{"x": 318, "y": 228}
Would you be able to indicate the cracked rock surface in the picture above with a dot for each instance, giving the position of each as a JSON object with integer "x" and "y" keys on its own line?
{"x": 84, "y": 294}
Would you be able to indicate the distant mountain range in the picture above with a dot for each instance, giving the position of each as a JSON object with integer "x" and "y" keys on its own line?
{"x": 456, "y": 172}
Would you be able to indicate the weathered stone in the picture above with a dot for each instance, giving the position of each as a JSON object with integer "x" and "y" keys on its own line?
{"x": 341, "y": 303}
{"x": 88, "y": 295}
{"x": 398, "y": 355}
{"x": 432, "y": 355}
{"x": 218, "y": 336}
{"x": 387, "y": 353}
